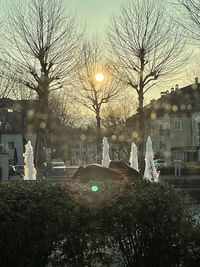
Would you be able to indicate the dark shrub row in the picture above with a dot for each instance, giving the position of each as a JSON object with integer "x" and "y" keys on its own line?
{"x": 149, "y": 225}
{"x": 170, "y": 170}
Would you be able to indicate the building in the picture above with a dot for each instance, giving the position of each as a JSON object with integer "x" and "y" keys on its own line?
{"x": 18, "y": 120}
{"x": 83, "y": 149}
{"x": 173, "y": 122}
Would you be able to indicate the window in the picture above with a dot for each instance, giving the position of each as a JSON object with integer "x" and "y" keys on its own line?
{"x": 178, "y": 125}
{"x": 11, "y": 145}
{"x": 198, "y": 133}
{"x": 178, "y": 155}
{"x": 8, "y": 127}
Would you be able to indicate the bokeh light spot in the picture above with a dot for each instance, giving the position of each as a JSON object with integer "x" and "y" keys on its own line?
{"x": 183, "y": 107}
{"x": 121, "y": 138}
{"x": 113, "y": 137}
{"x": 95, "y": 188}
{"x": 153, "y": 116}
{"x": 134, "y": 134}
{"x": 174, "y": 108}
{"x": 42, "y": 125}
{"x": 30, "y": 112}
{"x": 83, "y": 137}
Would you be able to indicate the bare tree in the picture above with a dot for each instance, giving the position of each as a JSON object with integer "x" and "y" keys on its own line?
{"x": 6, "y": 87}
{"x": 42, "y": 47}
{"x": 146, "y": 46}
{"x": 21, "y": 92}
{"x": 187, "y": 14}
{"x": 63, "y": 108}
{"x": 114, "y": 126}
{"x": 93, "y": 91}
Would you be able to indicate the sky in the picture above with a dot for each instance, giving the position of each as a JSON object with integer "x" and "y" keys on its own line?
{"x": 96, "y": 13}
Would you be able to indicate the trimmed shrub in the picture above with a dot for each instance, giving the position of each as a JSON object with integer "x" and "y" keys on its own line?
{"x": 169, "y": 170}
{"x": 151, "y": 225}
{"x": 33, "y": 218}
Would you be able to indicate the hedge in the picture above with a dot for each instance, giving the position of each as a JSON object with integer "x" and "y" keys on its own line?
{"x": 148, "y": 225}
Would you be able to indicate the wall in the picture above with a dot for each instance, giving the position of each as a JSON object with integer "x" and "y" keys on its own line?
{"x": 163, "y": 132}
{"x": 4, "y": 166}
{"x": 183, "y": 137}
{"x": 18, "y": 144}
{"x": 196, "y": 129}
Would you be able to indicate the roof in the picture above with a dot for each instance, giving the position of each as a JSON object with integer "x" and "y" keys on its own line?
{"x": 181, "y": 102}
{"x": 20, "y": 115}
{"x": 10, "y": 121}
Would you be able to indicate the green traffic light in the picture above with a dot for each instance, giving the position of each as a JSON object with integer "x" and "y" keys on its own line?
{"x": 94, "y": 188}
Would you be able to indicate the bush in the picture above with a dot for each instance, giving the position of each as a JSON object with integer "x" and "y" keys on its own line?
{"x": 33, "y": 217}
{"x": 187, "y": 168}
{"x": 149, "y": 225}
{"x": 169, "y": 170}
{"x": 41, "y": 225}
{"x": 190, "y": 170}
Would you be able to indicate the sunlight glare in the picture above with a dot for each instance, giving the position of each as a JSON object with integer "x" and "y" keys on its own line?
{"x": 99, "y": 77}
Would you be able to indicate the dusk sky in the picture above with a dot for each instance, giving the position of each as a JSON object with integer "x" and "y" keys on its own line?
{"x": 96, "y": 13}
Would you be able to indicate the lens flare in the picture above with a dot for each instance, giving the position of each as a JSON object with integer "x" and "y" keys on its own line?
{"x": 94, "y": 188}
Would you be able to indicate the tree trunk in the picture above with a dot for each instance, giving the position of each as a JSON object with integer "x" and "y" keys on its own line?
{"x": 141, "y": 114}
{"x": 43, "y": 129}
{"x": 99, "y": 139}
{"x": 141, "y": 133}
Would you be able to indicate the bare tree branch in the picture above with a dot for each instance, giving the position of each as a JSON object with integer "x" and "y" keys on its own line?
{"x": 145, "y": 47}
{"x": 41, "y": 47}
{"x": 42, "y": 44}
{"x": 88, "y": 91}
{"x": 187, "y": 14}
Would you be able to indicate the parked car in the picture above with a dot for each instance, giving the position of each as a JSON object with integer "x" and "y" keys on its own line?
{"x": 19, "y": 170}
{"x": 160, "y": 163}
{"x": 11, "y": 170}
{"x": 58, "y": 166}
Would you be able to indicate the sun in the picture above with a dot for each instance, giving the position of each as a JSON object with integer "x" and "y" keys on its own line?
{"x": 99, "y": 77}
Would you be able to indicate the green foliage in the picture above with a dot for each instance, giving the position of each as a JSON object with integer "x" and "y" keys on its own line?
{"x": 33, "y": 216}
{"x": 151, "y": 224}
{"x": 84, "y": 244}
{"x": 187, "y": 168}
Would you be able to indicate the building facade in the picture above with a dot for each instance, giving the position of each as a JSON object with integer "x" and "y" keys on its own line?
{"x": 83, "y": 149}
{"x": 16, "y": 129}
{"x": 173, "y": 122}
